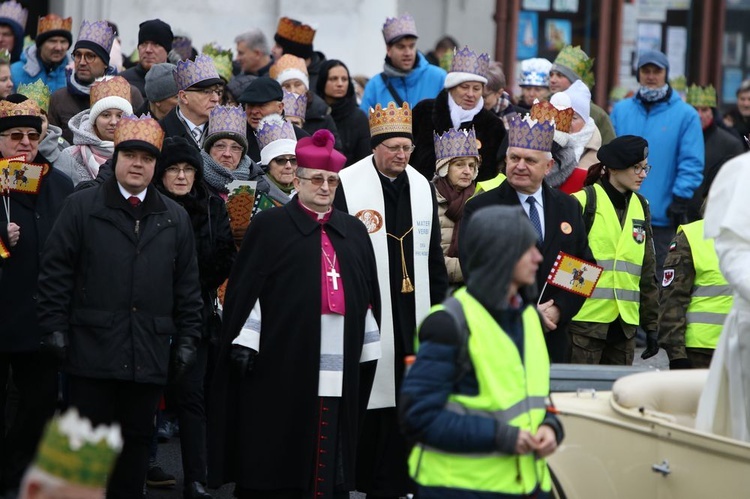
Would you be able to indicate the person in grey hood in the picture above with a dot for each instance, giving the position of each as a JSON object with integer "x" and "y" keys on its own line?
{"x": 457, "y": 393}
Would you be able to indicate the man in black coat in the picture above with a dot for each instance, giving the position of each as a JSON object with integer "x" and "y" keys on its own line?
{"x": 299, "y": 344}
{"x": 558, "y": 222}
{"x": 119, "y": 298}
{"x": 23, "y": 231}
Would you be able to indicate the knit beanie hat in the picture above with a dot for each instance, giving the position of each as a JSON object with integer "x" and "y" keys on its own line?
{"x": 289, "y": 67}
{"x": 53, "y": 25}
{"x": 96, "y": 36}
{"x": 175, "y": 150}
{"x": 294, "y": 37}
{"x": 156, "y": 31}
{"x": 580, "y": 99}
{"x": 160, "y": 83}
{"x": 19, "y": 111}
{"x": 109, "y": 92}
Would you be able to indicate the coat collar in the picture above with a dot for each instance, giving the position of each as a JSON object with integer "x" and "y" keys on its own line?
{"x": 307, "y": 225}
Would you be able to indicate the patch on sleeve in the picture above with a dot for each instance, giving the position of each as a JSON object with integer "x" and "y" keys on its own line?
{"x": 673, "y": 246}
{"x": 668, "y": 277}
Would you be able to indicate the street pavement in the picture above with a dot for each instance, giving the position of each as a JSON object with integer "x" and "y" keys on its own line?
{"x": 169, "y": 453}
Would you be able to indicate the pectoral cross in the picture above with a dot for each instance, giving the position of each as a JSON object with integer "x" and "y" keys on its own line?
{"x": 335, "y": 276}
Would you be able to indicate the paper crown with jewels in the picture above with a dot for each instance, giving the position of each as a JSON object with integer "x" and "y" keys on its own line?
{"x": 535, "y": 72}
{"x": 230, "y": 120}
{"x": 29, "y": 107}
{"x": 38, "y": 92}
{"x": 14, "y": 12}
{"x": 287, "y": 67}
{"x": 574, "y": 60}
{"x": 701, "y": 96}
{"x": 399, "y": 27}
{"x": 468, "y": 61}
{"x": 202, "y": 70}
{"x": 546, "y": 111}
{"x": 143, "y": 132}
{"x": 222, "y": 60}
{"x": 295, "y": 105}
{"x": 116, "y": 86}
{"x": 392, "y": 119}
{"x": 528, "y": 133}
{"x": 73, "y": 450}
{"x": 295, "y": 31}
{"x": 455, "y": 143}
{"x": 53, "y": 22}
{"x": 97, "y": 32}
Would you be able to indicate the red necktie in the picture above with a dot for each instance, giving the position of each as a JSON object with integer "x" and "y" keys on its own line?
{"x": 134, "y": 201}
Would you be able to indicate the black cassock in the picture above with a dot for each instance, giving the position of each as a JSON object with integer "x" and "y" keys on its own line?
{"x": 264, "y": 427}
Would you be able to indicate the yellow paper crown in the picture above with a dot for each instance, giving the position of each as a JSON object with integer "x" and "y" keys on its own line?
{"x": 545, "y": 111}
{"x": 117, "y": 86}
{"x": 38, "y": 92}
{"x": 701, "y": 96}
{"x": 222, "y": 60}
{"x": 53, "y": 22}
{"x": 143, "y": 129}
{"x": 295, "y": 31}
{"x": 392, "y": 119}
{"x": 286, "y": 62}
{"x": 26, "y": 108}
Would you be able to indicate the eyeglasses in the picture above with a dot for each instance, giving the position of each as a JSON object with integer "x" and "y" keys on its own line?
{"x": 395, "y": 149}
{"x": 86, "y": 56}
{"x": 283, "y": 161}
{"x": 18, "y": 136}
{"x": 318, "y": 180}
{"x": 175, "y": 171}
{"x": 207, "y": 91}
{"x": 234, "y": 149}
{"x": 638, "y": 169}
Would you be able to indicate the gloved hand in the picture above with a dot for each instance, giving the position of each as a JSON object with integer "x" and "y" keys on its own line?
{"x": 652, "y": 346}
{"x": 55, "y": 344}
{"x": 242, "y": 359}
{"x": 183, "y": 356}
{"x": 678, "y": 211}
{"x": 680, "y": 364}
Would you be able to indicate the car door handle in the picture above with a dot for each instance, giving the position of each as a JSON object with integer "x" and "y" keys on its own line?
{"x": 662, "y": 468}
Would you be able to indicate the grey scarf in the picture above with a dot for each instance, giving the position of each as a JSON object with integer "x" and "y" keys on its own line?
{"x": 218, "y": 177}
{"x": 393, "y": 72}
{"x": 565, "y": 163}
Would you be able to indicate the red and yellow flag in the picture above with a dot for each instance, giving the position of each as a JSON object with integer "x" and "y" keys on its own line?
{"x": 4, "y": 253}
{"x": 575, "y": 275}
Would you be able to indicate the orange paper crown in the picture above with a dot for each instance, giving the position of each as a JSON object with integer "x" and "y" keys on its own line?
{"x": 25, "y": 108}
{"x": 143, "y": 129}
{"x": 286, "y": 62}
{"x": 53, "y": 22}
{"x": 295, "y": 31}
{"x": 544, "y": 111}
{"x": 392, "y": 119}
{"x": 117, "y": 86}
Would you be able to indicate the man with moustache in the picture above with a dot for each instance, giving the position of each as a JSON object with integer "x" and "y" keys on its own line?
{"x": 154, "y": 43}
{"x": 47, "y": 58}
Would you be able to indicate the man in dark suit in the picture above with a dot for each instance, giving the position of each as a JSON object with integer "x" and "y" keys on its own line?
{"x": 556, "y": 217}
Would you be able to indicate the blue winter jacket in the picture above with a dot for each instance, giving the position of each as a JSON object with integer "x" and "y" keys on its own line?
{"x": 675, "y": 149}
{"x": 424, "y": 82}
{"x": 29, "y": 69}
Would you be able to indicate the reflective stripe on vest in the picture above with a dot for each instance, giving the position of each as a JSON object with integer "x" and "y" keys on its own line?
{"x": 711, "y": 298}
{"x": 514, "y": 394}
{"x": 618, "y": 292}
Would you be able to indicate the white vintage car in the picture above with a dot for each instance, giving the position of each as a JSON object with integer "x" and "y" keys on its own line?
{"x": 638, "y": 441}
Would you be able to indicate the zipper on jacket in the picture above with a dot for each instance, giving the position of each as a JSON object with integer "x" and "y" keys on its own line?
{"x": 137, "y": 229}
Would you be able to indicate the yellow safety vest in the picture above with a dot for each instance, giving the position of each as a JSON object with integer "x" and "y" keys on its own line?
{"x": 489, "y": 184}
{"x": 510, "y": 391}
{"x": 711, "y": 298}
{"x": 620, "y": 251}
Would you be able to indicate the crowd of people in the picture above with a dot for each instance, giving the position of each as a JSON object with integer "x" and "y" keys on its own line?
{"x": 387, "y": 313}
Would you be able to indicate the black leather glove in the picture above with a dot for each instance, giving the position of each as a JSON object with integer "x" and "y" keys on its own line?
{"x": 242, "y": 359}
{"x": 55, "y": 344}
{"x": 652, "y": 345}
{"x": 680, "y": 364}
{"x": 678, "y": 211}
{"x": 184, "y": 354}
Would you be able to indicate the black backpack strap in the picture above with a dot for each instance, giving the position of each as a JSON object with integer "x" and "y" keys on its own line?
{"x": 396, "y": 97}
{"x": 456, "y": 311}
{"x": 589, "y": 211}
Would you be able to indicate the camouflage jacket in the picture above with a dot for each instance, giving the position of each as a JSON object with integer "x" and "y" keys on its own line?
{"x": 676, "y": 289}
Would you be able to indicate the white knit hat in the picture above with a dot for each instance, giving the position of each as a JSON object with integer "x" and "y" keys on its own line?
{"x": 109, "y": 92}
{"x": 580, "y": 99}
{"x": 277, "y": 138}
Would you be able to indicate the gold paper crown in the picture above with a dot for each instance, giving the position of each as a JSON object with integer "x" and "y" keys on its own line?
{"x": 53, "y": 22}
{"x": 144, "y": 129}
{"x": 117, "y": 86}
{"x": 285, "y": 62}
{"x": 26, "y": 108}
{"x": 38, "y": 92}
{"x": 295, "y": 31}
{"x": 72, "y": 450}
{"x": 392, "y": 119}
{"x": 701, "y": 96}
{"x": 577, "y": 61}
{"x": 545, "y": 111}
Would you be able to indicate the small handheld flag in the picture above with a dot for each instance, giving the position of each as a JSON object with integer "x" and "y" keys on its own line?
{"x": 4, "y": 253}
{"x": 575, "y": 275}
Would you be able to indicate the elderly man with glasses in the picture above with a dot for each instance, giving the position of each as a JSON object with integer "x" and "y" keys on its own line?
{"x": 25, "y": 223}
{"x": 91, "y": 61}
{"x": 398, "y": 207}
